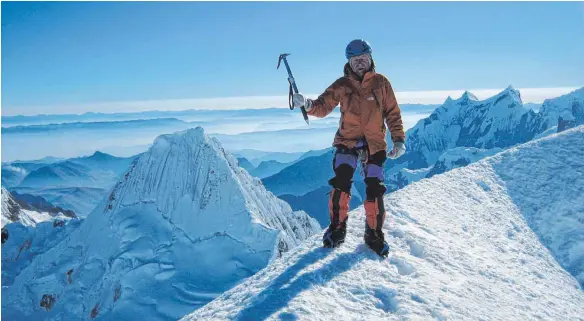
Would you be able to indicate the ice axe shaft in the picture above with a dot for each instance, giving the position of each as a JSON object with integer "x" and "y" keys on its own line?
{"x": 292, "y": 84}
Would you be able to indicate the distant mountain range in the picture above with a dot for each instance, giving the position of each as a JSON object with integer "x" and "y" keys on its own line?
{"x": 497, "y": 122}
{"x": 456, "y": 134}
{"x": 24, "y": 129}
{"x": 75, "y": 184}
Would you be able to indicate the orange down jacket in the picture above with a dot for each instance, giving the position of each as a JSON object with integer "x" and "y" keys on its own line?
{"x": 365, "y": 105}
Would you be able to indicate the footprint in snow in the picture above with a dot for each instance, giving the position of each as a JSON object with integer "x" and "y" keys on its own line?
{"x": 398, "y": 232}
{"x": 417, "y": 249}
{"x": 387, "y": 301}
{"x": 403, "y": 267}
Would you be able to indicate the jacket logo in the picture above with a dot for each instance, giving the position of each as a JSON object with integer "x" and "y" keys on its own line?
{"x": 371, "y": 98}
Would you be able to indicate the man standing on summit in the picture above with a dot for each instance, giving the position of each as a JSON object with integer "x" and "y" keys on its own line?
{"x": 367, "y": 102}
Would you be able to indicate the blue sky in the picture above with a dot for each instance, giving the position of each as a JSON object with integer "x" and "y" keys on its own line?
{"x": 80, "y": 52}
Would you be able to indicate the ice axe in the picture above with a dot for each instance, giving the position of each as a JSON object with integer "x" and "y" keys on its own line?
{"x": 292, "y": 85}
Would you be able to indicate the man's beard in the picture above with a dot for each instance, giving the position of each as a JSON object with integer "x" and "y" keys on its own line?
{"x": 360, "y": 68}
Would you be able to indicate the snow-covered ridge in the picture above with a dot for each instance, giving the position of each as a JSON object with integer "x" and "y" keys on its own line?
{"x": 183, "y": 225}
{"x": 499, "y": 121}
{"x": 487, "y": 126}
{"x": 13, "y": 212}
{"x": 468, "y": 122}
{"x": 480, "y": 242}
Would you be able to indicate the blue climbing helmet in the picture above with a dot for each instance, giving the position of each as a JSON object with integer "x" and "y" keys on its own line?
{"x": 357, "y": 47}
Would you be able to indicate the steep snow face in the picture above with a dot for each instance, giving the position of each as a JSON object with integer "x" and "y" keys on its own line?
{"x": 465, "y": 245}
{"x": 499, "y": 121}
{"x": 10, "y": 209}
{"x": 545, "y": 179}
{"x": 184, "y": 224}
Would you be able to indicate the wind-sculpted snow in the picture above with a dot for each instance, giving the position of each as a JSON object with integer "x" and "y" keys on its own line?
{"x": 183, "y": 225}
{"x": 469, "y": 244}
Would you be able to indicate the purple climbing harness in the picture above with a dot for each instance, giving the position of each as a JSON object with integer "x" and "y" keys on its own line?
{"x": 367, "y": 169}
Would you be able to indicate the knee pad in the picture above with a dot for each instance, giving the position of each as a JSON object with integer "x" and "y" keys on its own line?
{"x": 378, "y": 158}
{"x": 374, "y": 188}
{"x": 343, "y": 178}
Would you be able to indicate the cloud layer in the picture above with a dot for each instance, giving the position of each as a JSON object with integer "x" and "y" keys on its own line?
{"x": 529, "y": 95}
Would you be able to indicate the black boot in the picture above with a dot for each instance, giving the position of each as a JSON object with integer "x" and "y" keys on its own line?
{"x": 334, "y": 237}
{"x": 376, "y": 241}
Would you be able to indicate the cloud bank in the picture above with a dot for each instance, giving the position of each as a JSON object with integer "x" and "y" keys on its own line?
{"x": 529, "y": 95}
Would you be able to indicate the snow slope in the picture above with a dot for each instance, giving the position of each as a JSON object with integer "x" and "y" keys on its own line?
{"x": 469, "y": 244}
{"x": 183, "y": 225}
{"x": 25, "y": 241}
{"x": 27, "y": 233}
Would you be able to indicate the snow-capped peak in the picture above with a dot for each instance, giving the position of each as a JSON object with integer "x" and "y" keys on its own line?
{"x": 511, "y": 94}
{"x": 206, "y": 180}
{"x": 468, "y": 122}
{"x": 468, "y": 96}
{"x": 183, "y": 224}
